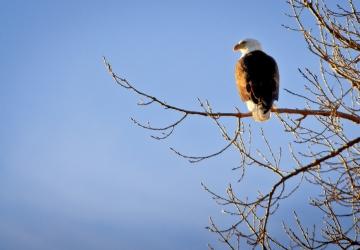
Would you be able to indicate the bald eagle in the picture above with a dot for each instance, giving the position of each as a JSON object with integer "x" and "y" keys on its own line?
{"x": 257, "y": 79}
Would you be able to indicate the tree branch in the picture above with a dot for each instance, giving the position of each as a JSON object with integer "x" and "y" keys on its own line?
{"x": 302, "y": 170}
{"x": 152, "y": 99}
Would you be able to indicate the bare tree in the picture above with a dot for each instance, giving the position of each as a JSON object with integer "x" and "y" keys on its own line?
{"x": 326, "y": 129}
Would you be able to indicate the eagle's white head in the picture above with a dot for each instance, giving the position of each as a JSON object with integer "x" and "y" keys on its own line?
{"x": 247, "y": 45}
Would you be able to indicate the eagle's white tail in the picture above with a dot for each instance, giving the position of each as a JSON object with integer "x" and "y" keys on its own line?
{"x": 259, "y": 115}
{"x": 257, "y": 111}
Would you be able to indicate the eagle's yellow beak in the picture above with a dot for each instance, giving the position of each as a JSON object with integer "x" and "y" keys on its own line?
{"x": 237, "y": 47}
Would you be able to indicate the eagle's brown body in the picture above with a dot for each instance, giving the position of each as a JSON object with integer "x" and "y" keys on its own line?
{"x": 257, "y": 81}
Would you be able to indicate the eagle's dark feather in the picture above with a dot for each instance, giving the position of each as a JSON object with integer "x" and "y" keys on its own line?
{"x": 257, "y": 78}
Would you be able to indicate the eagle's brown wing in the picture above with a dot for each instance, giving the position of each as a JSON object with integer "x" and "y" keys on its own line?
{"x": 257, "y": 79}
{"x": 241, "y": 81}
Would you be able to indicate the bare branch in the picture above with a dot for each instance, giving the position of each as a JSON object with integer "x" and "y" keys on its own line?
{"x": 126, "y": 84}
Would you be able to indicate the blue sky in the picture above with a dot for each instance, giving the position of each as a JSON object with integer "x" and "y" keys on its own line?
{"x": 75, "y": 173}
